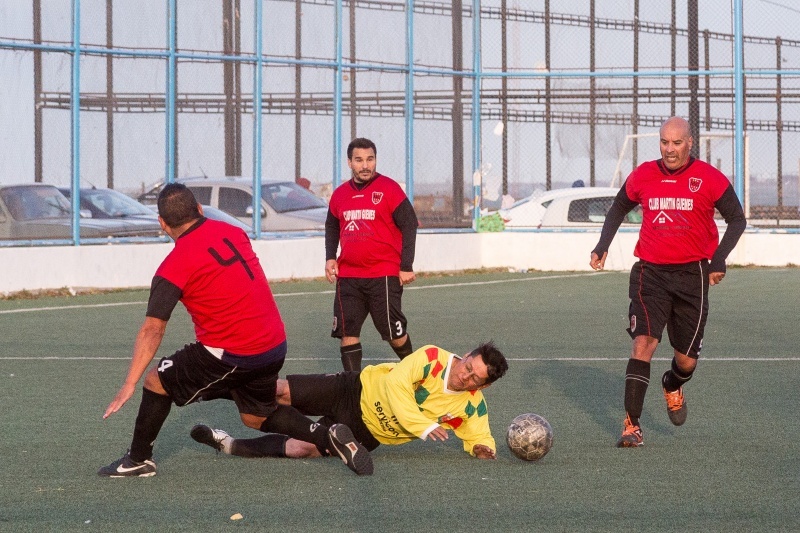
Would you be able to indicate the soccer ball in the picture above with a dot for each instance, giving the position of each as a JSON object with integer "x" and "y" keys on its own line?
{"x": 529, "y": 437}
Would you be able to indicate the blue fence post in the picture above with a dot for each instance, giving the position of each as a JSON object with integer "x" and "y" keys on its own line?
{"x": 75, "y": 120}
{"x": 258, "y": 74}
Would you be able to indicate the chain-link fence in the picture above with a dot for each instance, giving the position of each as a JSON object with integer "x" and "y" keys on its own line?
{"x": 124, "y": 95}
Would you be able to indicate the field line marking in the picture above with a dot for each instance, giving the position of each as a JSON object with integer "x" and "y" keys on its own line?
{"x": 418, "y": 287}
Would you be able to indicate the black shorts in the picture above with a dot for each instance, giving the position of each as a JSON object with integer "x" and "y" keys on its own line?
{"x": 378, "y": 297}
{"x": 675, "y": 296}
{"x": 193, "y": 371}
{"x": 335, "y": 397}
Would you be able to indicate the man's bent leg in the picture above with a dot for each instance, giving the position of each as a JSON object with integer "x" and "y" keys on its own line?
{"x": 672, "y": 383}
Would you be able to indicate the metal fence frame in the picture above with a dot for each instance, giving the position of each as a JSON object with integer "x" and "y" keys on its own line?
{"x": 340, "y": 65}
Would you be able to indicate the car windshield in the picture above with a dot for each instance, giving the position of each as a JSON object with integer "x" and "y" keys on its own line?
{"x": 287, "y": 196}
{"x": 113, "y": 203}
{"x": 34, "y": 203}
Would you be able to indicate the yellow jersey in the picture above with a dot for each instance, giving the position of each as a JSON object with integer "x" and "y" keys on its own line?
{"x": 407, "y": 400}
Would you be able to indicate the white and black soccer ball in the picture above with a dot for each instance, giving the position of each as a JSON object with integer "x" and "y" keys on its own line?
{"x": 529, "y": 437}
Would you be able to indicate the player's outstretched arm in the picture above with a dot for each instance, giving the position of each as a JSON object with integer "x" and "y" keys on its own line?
{"x": 147, "y": 342}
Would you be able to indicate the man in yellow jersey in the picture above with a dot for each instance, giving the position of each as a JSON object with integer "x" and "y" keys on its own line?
{"x": 421, "y": 397}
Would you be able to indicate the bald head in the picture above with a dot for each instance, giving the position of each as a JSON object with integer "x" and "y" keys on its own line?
{"x": 676, "y": 142}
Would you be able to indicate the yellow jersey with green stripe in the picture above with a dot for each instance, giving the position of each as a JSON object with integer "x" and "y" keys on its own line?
{"x": 407, "y": 400}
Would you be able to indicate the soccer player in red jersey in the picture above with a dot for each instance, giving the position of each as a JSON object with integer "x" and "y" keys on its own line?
{"x": 680, "y": 256}
{"x": 240, "y": 346}
{"x": 375, "y": 223}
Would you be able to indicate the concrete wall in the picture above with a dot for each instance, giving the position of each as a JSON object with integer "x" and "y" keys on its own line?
{"x": 133, "y": 265}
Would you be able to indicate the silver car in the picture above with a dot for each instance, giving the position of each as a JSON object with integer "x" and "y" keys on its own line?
{"x": 285, "y": 205}
{"x": 40, "y": 211}
{"x": 127, "y": 214}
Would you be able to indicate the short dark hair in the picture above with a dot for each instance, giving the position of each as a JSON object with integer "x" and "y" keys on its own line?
{"x": 495, "y": 361}
{"x": 360, "y": 142}
{"x": 177, "y": 205}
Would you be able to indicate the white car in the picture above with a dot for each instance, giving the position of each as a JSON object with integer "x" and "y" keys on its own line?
{"x": 285, "y": 205}
{"x": 583, "y": 207}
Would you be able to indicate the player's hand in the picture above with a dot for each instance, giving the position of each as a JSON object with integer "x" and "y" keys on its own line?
{"x": 331, "y": 270}
{"x": 122, "y": 396}
{"x": 406, "y": 277}
{"x": 482, "y": 451}
{"x": 596, "y": 262}
{"x": 715, "y": 277}
{"x": 438, "y": 434}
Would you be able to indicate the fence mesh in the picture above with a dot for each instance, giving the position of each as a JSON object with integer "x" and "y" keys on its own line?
{"x": 568, "y": 94}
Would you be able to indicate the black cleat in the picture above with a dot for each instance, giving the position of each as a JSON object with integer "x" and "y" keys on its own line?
{"x": 631, "y": 435}
{"x": 210, "y": 437}
{"x": 676, "y": 406}
{"x": 352, "y": 452}
{"x": 127, "y": 467}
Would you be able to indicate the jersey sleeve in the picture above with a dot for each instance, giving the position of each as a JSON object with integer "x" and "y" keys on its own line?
{"x": 616, "y": 214}
{"x": 164, "y": 296}
{"x": 406, "y": 220}
{"x": 400, "y": 393}
{"x": 731, "y": 209}
{"x": 476, "y": 431}
{"x": 332, "y": 229}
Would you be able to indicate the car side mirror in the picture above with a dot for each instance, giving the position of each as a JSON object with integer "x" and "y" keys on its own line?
{"x": 85, "y": 213}
{"x": 249, "y": 211}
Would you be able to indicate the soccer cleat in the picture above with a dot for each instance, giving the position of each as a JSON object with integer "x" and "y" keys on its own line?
{"x": 676, "y": 406}
{"x": 352, "y": 452}
{"x": 127, "y": 467}
{"x": 216, "y": 438}
{"x": 631, "y": 435}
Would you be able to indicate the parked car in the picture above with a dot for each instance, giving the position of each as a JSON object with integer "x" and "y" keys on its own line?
{"x": 573, "y": 207}
{"x": 216, "y": 214}
{"x": 110, "y": 204}
{"x": 285, "y": 205}
{"x": 40, "y": 211}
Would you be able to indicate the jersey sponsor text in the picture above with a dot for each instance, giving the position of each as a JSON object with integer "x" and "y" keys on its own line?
{"x": 675, "y": 204}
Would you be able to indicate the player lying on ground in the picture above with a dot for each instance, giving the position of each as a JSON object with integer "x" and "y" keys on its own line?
{"x": 423, "y": 396}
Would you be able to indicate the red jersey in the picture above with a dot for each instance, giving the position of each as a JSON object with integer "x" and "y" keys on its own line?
{"x": 677, "y": 211}
{"x": 371, "y": 242}
{"x": 224, "y": 289}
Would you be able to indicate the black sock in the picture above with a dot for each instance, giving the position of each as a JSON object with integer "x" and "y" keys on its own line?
{"x": 674, "y": 379}
{"x": 637, "y": 378}
{"x": 405, "y": 350}
{"x": 287, "y": 420}
{"x": 351, "y": 356}
{"x": 153, "y": 412}
{"x": 270, "y": 445}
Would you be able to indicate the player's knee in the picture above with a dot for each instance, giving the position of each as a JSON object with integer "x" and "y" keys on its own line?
{"x": 252, "y": 421}
{"x": 283, "y": 393}
{"x": 153, "y": 383}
